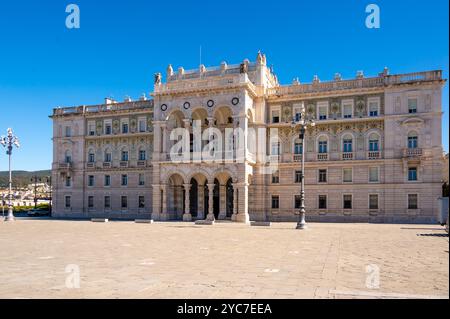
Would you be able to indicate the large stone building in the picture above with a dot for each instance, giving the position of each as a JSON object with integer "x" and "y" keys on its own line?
{"x": 375, "y": 153}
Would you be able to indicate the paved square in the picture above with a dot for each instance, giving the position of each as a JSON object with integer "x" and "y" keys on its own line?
{"x": 181, "y": 260}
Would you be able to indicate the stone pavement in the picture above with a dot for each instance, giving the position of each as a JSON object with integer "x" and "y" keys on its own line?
{"x": 41, "y": 259}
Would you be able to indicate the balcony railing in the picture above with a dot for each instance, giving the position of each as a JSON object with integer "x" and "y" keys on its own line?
{"x": 297, "y": 158}
{"x": 322, "y": 157}
{"x": 412, "y": 152}
{"x": 123, "y": 164}
{"x": 106, "y": 164}
{"x": 373, "y": 155}
{"x": 65, "y": 165}
{"x": 90, "y": 165}
{"x": 347, "y": 156}
{"x": 142, "y": 163}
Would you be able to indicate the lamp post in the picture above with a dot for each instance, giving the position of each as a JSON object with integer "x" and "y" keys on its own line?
{"x": 8, "y": 142}
{"x": 302, "y": 123}
{"x": 35, "y": 180}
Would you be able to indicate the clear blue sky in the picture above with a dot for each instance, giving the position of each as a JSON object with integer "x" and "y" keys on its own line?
{"x": 121, "y": 44}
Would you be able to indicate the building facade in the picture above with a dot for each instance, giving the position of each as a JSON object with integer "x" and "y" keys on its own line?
{"x": 374, "y": 155}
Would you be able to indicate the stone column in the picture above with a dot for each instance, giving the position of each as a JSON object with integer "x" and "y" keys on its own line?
{"x": 201, "y": 199}
{"x": 223, "y": 202}
{"x": 211, "y": 202}
{"x": 156, "y": 140}
{"x": 164, "y": 213}
{"x": 187, "y": 217}
{"x": 243, "y": 216}
{"x": 235, "y": 202}
{"x": 164, "y": 139}
{"x": 156, "y": 202}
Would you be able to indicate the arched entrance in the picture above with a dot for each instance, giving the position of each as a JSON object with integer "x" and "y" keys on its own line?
{"x": 175, "y": 197}
{"x": 229, "y": 198}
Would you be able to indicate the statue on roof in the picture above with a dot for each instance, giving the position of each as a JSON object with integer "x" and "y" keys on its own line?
{"x": 158, "y": 78}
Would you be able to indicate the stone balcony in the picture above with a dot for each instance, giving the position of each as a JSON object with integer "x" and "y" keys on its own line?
{"x": 322, "y": 157}
{"x": 373, "y": 155}
{"x": 347, "y": 156}
{"x": 412, "y": 153}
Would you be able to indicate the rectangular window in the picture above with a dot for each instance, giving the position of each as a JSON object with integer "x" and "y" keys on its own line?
{"x": 141, "y": 179}
{"x": 373, "y": 201}
{"x": 347, "y": 201}
{"x": 90, "y": 201}
{"x": 347, "y": 175}
{"x": 412, "y": 201}
{"x": 108, "y": 157}
{"x": 124, "y": 202}
{"x": 275, "y": 148}
{"x": 298, "y": 148}
{"x": 276, "y": 177}
{"x": 275, "y": 116}
{"x": 91, "y": 158}
{"x": 374, "y": 108}
{"x": 141, "y": 202}
{"x": 323, "y": 147}
{"x": 124, "y": 128}
{"x": 322, "y": 201}
{"x": 412, "y": 142}
{"x": 67, "y": 202}
{"x": 373, "y": 174}
{"x": 348, "y": 110}
{"x": 348, "y": 146}
{"x": 297, "y": 201}
{"x": 107, "y": 203}
{"x": 108, "y": 128}
{"x": 142, "y": 155}
{"x": 68, "y": 159}
{"x": 412, "y": 174}
{"x": 374, "y": 146}
{"x": 91, "y": 180}
{"x": 68, "y": 131}
{"x": 298, "y": 177}
{"x": 322, "y": 176}
{"x": 323, "y": 111}
{"x": 142, "y": 125}
{"x": 68, "y": 181}
{"x": 107, "y": 180}
{"x": 275, "y": 202}
{"x": 124, "y": 156}
{"x": 124, "y": 180}
{"x": 412, "y": 105}
{"x": 91, "y": 128}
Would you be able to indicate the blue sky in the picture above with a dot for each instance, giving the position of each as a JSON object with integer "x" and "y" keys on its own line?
{"x": 121, "y": 44}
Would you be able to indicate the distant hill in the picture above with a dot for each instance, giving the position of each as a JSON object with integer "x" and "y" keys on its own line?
{"x": 21, "y": 178}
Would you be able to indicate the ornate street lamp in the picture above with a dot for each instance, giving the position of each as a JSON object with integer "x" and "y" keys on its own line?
{"x": 302, "y": 123}
{"x": 8, "y": 142}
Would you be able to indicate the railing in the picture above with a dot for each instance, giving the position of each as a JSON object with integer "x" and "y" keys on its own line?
{"x": 412, "y": 152}
{"x": 142, "y": 163}
{"x": 373, "y": 155}
{"x": 148, "y": 104}
{"x": 297, "y": 158}
{"x": 322, "y": 157}
{"x": 379, "y": 81}
{"x": 106, "y": 164}
{"x": 65, "y": 165}
{"x": 274, "y": 158}
{"x": 90, "y": 165}
{"x": 124, "y": 164}
{"x": 347, "y": 156}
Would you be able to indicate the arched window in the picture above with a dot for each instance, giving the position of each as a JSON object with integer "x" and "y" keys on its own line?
{"x": 347, "y": 144}
{"x": 68, "y": 156}
{"x": 374, "y": 142}
{"x": 413, "y": 140}
{"x": 142, "y": 154}
{"x": 124, "y": 155}
{"x": 323, "y": 144}
{"x": 298, "y": 147}
{"x": 108, "y": 156}
{"x": 91, "y": 156}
